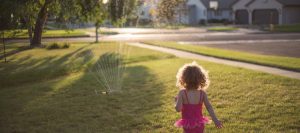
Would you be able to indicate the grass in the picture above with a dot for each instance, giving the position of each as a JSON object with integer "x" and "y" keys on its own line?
{"x": 289, "y": 63}
{"x": 9, "y": 47}
{"x": 222, "y": 29}
{"x": 46, "y": 33}
{"x": 287, "y": 28}
{"x": 51, "y": 91}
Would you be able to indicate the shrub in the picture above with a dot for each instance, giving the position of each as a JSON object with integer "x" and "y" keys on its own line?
{"x": 202, "y": 22}
{"x": 52, "y": 46}
{"x": 56, "y": 45}
{"x": 222, "y": 21}
{"x": 66, "y": 45}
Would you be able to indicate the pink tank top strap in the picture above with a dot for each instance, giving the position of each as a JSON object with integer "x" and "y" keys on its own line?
{"x": 187, "y": 98}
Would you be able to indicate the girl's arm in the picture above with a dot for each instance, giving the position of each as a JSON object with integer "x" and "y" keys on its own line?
{"x": 178, "y": 101}
{"x": 211, "y": 112}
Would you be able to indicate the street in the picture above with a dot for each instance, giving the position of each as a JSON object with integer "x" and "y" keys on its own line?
{"x": 281, "y": 44}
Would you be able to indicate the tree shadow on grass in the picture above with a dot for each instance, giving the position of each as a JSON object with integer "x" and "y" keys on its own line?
{"x": 26, "y": 70}
{"x": 119, "y": 111}
{"x": 124, "y": 111}
{"x": 22, "y": 91}
{"x": 12, "y": 49}
{"x": 70, "y": 104}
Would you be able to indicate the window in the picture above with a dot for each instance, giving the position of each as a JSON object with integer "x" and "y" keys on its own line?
{"x": 213, "y": 5}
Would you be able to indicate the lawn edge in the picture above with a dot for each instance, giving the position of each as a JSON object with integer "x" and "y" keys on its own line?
{"x": 245, "y": 61}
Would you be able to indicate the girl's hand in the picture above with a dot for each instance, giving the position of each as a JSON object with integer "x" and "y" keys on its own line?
{"x": 175, "y": 98}
{"x": 219, "y": 124}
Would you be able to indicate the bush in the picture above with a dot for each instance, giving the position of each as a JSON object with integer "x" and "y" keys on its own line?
{"x": 66, "y": 45}
{"x": 223, "y": 21}
{"x": 202, "y": 22}
{"x": 52, "y": 46}
{"x": 56, "y": 45}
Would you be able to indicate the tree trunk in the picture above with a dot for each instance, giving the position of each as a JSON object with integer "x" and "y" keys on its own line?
{"x": 97, "y": 27}
{"x": 39, "y": 24}
{"x": 3, "y": 41}
{"x": 137, "y": 21}
{"x": 29, "y": 28}
{"x": 113, "y": 10}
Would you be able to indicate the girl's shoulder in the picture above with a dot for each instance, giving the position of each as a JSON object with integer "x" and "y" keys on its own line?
{"x": 203, "y": 92}
{"x": 181, "y": 91}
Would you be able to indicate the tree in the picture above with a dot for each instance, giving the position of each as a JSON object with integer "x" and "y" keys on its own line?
{"x": 34, "y": 13}
{"x": 167, "y": 9}
{"x": 119, "y": 10}
{"x": 8, "y": 21}
{"x": 95, "y": 11}
{"x": 98, "y": 20}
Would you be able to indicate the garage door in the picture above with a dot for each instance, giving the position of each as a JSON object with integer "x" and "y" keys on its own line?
{"x": 241, "y": 17}
{"x": 265, "y": 16}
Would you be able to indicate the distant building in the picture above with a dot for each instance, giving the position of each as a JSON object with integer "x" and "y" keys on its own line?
{"x": 148, "y": 10}
{"x": 194, "y": 12}
{"x": 197, "y": 12}
{"x": 219, "y": 9}
{"x": 203, "y": 11}
{"x": 266, "y": 11}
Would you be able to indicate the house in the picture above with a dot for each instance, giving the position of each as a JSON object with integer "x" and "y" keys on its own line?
{"x": 197, "y": 12}
{"x": 202, "y": 11}
{"x": 193, "y": 12}
{"x": 147, "y": 11}
{"x": 219, "y": 9}
{"x": 244, "y": 11}
{"x": 266, "y": 11}
{"x": 260, "y": 12}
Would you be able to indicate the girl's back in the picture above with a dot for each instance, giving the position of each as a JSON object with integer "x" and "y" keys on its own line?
{"x": 192, "y": 110}
{"x": 192, "y": 97}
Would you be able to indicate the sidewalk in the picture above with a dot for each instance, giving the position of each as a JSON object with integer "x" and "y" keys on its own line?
{"x": 183, "y": 54}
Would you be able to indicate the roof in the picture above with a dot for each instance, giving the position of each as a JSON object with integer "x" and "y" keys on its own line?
{"x": 250, "y": 2}
{"x": 289, "y": 2}
{"x": 223, "y": 4}
{"x": 283, "y": 2}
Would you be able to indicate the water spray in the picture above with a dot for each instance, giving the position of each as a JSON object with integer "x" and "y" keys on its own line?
{"x": 109, "y": 68}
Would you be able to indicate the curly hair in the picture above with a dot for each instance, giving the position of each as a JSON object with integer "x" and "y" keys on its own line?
{"x": 192, "y": 76}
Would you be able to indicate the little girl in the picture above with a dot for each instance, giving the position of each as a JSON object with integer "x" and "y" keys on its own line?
{"x": 193, "y": 80}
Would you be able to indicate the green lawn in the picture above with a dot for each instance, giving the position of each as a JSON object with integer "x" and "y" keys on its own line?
{"x": 108, "y": 32}
{"x": 51, "y": 91}
{"x": 288, "y": 63}
{"x": 46, "y": 33}
{"x": 287, "y": 28}
{"x": 222, "y": 28}
{"x": 9, "y": 47}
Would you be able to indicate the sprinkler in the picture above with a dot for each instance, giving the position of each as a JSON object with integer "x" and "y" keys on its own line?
{"x": 105, "y": 92}
{"x": 108, "y": 70}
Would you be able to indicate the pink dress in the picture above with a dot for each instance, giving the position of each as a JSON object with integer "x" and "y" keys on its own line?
{"x": 192, "y": 119}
